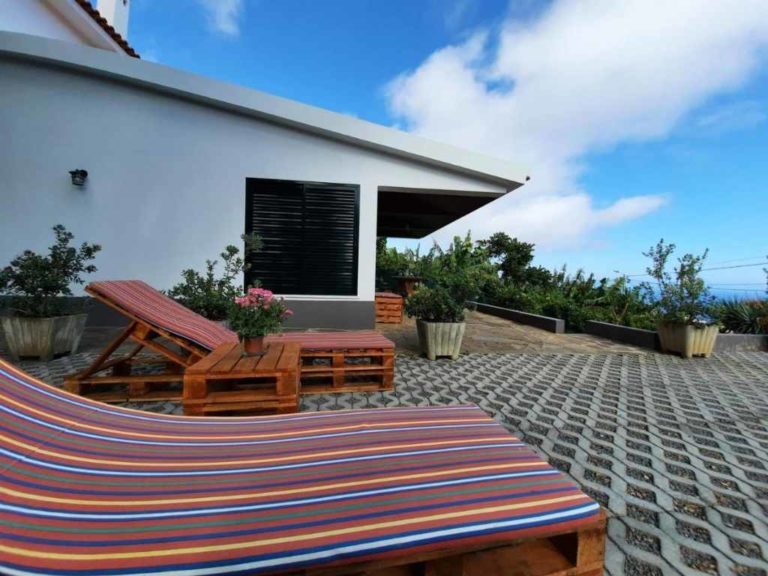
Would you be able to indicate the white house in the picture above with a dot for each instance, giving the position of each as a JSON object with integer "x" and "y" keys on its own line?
{"x": 180, "y": 165}
{"x": 104, "y": 26}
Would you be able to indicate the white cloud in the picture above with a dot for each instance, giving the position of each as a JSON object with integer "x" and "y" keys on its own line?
{"x": 582, "y": 77}
{"x": 224, "y": 15}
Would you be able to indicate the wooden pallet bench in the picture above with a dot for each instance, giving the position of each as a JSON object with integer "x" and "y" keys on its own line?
{"x": 361, "y": 361}
{"x": 226, "y": 382}
{"x": 389, "y": 308}
{"x": 577, "y": 553}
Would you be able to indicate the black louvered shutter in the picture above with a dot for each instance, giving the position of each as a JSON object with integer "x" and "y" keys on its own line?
{"x": 309, "y": 232}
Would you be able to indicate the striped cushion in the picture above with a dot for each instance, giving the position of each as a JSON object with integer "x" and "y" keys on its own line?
{"x": 141, "y": 300}
{"x": 335, "y": 340}
{"x": 92, "y": 489}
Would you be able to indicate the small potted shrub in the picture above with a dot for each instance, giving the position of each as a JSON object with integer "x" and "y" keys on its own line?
{"x": 41, "y": 325}
{"x": 208, "y": 294}
{"x": 254, "y": 315}
{"x": 682, "y": 301}
{"x": 439, "y": 321}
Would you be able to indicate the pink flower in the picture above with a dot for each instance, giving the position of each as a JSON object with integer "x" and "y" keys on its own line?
{"x": 288, "y": 313}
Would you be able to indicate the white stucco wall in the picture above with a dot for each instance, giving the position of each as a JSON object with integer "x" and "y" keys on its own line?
{"x": 166, "y": 185}
{"x": 36, "y": 17}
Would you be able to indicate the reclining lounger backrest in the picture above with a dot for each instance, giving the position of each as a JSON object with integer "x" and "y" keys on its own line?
{"x": 138, "y": 300}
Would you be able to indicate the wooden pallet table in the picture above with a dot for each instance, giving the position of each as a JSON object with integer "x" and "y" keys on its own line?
{"x": 359, "y": 361}
{"x": 227, "y": 382}
{"x": 347, "y": 370}
{"x": 577, "y": 553}
{"x": 389, "y": 308}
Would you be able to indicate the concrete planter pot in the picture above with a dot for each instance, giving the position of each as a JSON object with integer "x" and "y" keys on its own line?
{"x": 42, "y": 337}
{"x": 440, "y": 338}
{"x": 687, "y": 340}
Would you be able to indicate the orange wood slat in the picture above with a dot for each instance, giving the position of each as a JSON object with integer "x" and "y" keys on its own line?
{"x": 212, "y": 359}
{"x": 230, "y": 359}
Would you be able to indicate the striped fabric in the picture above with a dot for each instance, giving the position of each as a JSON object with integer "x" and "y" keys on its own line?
{"x": 141, "y": 300}
{"x": 90, "y": 489}
{"x": 335, "y": 340}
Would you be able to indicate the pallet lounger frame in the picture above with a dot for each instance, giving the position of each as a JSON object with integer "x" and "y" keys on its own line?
{"x": 176, "y": 355}
{"x": 577, "y": 553}
{"x": 427, "y": 490}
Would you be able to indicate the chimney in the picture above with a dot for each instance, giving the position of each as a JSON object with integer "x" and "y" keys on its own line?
{"x": 116, "y": 13}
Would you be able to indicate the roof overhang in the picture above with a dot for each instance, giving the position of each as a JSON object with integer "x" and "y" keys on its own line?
{"x": 280, "y": 111}
{"x": 411, "y": 213}
{"x": 87, "y": 21}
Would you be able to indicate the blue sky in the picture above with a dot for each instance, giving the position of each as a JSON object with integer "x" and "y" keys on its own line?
{"x": 636, "y": 122}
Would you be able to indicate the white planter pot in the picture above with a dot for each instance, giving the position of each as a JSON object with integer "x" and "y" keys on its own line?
{"x": 440, "y": 338}
{"x": 687, "y": 340}
{"x": 42, "y": 337}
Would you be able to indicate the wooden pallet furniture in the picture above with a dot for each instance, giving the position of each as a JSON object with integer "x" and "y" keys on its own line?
{"x": 389, "y": 308}
{"x": 360, "y": 361}
{"x": 175, "y": 336}
{"x": 579, "y": 552}
{"x": 227, "y": 382}
{"x": 436, "y": 491}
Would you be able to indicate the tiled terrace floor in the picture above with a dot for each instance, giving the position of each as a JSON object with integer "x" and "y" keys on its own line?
{"x": 676, "y": 450}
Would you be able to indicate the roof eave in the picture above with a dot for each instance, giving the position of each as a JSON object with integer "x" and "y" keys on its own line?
{"x": 263, "y": 106}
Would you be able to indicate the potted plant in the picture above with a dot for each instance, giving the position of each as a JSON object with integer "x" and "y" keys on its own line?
{"x": 682, "y": 301}
{"x": 254, "y": 315}
{"x": 208, "y": 294}
{"x": 41, "y": 326}
{"x": 439, "y": 321}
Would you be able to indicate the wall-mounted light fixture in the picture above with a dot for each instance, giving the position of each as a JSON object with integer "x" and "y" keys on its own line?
{"x": 78, "y": 176}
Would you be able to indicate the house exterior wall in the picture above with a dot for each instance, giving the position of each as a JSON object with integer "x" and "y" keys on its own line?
{"x": 166, "y": 184}
{"x": 36, "y": 17}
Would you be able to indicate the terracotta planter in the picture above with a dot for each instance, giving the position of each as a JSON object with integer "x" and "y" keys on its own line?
{"x": 42, "y": 338}
{"x": 687, "y": 340}
{"x": 254, "y": 346}
{"x": 440, "y": 338}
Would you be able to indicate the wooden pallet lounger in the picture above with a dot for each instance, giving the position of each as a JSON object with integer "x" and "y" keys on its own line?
{"x": 90, "y": 489}
{"x": 358, "y": 361}
{"x": 182, "y": 338}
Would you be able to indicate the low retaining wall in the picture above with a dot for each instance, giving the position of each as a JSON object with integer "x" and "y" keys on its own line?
{"x": 555, "y": 325}
{"x": 633, "y": 336}
{"x": 733, "y": 342}
{"x": 649, "y": 339}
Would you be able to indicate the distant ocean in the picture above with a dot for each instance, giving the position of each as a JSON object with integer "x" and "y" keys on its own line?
{"x": 738, "y": 294}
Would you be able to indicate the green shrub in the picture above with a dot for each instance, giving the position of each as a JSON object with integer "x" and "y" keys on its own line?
{"x": 434, "y": 305}
{"x": 682, "y": 295}
{"x": 208, "y": 294}
{"x": 742, "y": 316}
{"x": 37, "y": 282}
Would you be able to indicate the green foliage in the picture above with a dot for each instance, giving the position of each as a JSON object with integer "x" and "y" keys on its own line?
{"x": 682, "y": 295}
{"x": 513, "y": 259}
{"x": 434, "y": 305}
{"x": 208, "y": 294}
{"x": 500, "y": 271}
{"x": 742, "y": 316}
{"x": 463, "y": 270}
{"x": 257, "y": 313}
{"x": 36, "y": 282}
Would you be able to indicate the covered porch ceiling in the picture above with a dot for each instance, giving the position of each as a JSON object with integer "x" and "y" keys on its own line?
{"x": 415, "y": 213}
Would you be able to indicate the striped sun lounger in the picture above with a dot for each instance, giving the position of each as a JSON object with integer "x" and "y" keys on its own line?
{"x": 91, "y": 489}
{"x": 182, "y": 337}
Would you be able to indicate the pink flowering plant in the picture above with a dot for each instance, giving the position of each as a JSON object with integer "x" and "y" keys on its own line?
{"x": 257, "y": 313}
